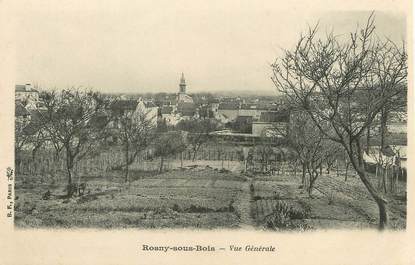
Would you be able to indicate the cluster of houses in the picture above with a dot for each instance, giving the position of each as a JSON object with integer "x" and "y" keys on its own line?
{"x": 392, "y": 157}
{"x": 256, "y": 118}
{"x": 253, "y": 118}
{"x": 27, "y": 103}
{"x": 181, "y": 107}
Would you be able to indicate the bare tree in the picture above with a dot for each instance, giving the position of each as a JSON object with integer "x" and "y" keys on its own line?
{"x": 343, "y": 83}
{"x": 75, "y": 122}
{"x": 136, "y": 132}
{"x": 265, "y": 152}
{"x": 21, "y": 139}
{"x": 198, "y": 132}
{"x": 167, "y": 144}
{"x": 311, "y": 146}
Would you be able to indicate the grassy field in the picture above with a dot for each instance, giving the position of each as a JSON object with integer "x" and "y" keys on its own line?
{"x": 201, "y": 196}
{"x": 335, "y": 204}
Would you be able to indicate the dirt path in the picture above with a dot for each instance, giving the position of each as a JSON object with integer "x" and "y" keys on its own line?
{"x": 243, "y": 203}
{"x": 243, "y": 207}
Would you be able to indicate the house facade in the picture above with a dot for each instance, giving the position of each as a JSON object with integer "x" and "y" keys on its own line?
{"x": 27, "y": 95}
{"x": 149, "y": 109}
{"x": 271, "y": 123}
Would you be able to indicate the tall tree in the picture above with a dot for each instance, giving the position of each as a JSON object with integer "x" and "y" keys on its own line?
{"x": 343, "y": 83}
{"x": 21, "y": 139}
{"x": 75, "y": 122}
{"x": 311, "y": 146}
{"x": 166, "y": 144}
{"x": 136, "y": 132}
{"x": 198, "y": 132}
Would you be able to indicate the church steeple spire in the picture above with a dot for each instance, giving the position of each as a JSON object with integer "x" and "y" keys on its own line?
{"x": 182, "y": 85}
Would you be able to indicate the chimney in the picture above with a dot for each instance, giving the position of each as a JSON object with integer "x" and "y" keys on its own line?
{"x": 28, "y": 87}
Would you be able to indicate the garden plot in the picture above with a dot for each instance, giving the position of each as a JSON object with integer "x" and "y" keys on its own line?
{"x": 179, "y": 198}
{"x": 227, "y": 184}
{"x": 335, "y": 203}
{"x": 275, "y": 189}
{"x": 204, "y": 197}
{"x": 204, "y": 183}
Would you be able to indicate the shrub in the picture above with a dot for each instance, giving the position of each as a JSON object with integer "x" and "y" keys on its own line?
{"x": 283, "y": 215}
{"x": 177, "y": 208}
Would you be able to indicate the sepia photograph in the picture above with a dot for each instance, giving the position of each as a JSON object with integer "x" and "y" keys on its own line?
{"x": 311, "y": 137}
{"x": 208, "y": 118}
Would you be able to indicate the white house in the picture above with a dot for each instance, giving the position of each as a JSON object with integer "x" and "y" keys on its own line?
{"x": 149, "y": 109}
{"x": 169, "y": 115}
{"x": 27, "y": 95}
{"x": 271, "y": 123}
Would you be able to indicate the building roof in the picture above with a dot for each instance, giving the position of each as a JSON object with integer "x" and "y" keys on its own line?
{"x": 229, "y": 106}
{"x": 274, "y": 116}
{"x": 186, "y": 108}
{"x": 247, "y": 119}
{"x": 248, "y": 106}
{"x": 124, "y": 104}
{"x": 259, "y": 106}
{"x": 267, "y": 106}
{"x": 166, "y": 110}
{"x": 392, "y": 138}
{"x": 22, "y": 88}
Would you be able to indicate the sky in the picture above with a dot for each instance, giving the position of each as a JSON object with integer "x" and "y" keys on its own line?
{"x": 144, "y": 46}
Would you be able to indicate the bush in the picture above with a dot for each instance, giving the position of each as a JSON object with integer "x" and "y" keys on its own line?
{"x": 177, "y": 208}
{"x": 283, "y": 215}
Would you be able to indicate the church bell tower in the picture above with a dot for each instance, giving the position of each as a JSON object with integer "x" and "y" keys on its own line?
{"x": 182, "y": 85}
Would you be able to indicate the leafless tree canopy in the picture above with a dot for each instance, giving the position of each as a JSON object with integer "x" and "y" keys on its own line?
{"x": 343, "y": 84}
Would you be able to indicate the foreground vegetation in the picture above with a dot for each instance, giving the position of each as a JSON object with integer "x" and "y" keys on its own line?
{"x": 202, "y": 197}
{"x": 338, "y": 91}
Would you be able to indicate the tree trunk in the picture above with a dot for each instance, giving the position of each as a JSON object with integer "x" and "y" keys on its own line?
{"x": 310, "y": 187}
{"x": 161, "y": 164}
{"x": 337, "y": 168}
{"x": 69, "y": 169}
{"x": 385, "y": 180}
{"x": 368, "y": 136}
{"x": 126, "y": 162}
{"x": 378, "y": 176}
{"x": 304, "y": 173}
{"x": 383, "y": 128}
{"x": 347, "y": 169}
{"x": 313, "y": 177}
{"x": 181, "y": 159}
{"x": 295, "y": 170}
{"x": 328, "y": 168}
{"x": 18, "y": 160}
{"x": 383, "y": 218}
{"x": 378, "y": 199}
